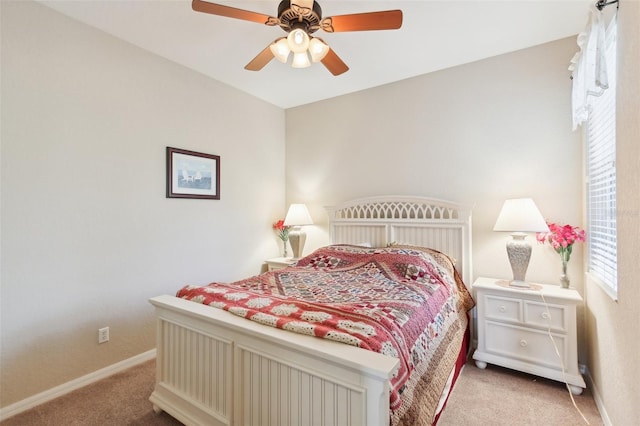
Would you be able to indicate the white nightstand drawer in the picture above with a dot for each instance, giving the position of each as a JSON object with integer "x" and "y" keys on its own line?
{"x": 503, "y": 308}
{"x": 524, "y": 344}
{"x": 537, "y": 314}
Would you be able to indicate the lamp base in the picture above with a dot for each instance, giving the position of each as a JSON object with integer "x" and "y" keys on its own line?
{"x": 519, "y": 284}
{"x": 519, "y": 253}
{"x": 297, "y": 238}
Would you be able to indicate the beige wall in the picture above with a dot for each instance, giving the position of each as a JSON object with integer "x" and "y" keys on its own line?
{"x": 87, "y": 233}
{"x": 614, "y": 327}
{"x": 476, "y": 134}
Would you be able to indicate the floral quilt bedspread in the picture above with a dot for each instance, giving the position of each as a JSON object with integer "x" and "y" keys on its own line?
{"x": 395, "y": 301}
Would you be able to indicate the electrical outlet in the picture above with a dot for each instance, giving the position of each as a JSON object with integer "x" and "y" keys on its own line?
{"x": 103, "y": 335}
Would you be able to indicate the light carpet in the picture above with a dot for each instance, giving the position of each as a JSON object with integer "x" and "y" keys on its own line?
{"x": 494, "y": 396}
{"x": 499, "y": 396}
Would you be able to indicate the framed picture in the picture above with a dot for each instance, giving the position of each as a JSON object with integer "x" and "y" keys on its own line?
{"x": 192, "y": 174}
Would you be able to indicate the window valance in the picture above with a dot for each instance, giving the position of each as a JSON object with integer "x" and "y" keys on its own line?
{"x": 589, "y": 65}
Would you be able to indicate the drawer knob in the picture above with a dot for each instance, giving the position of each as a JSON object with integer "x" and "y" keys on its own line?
{"x": 503, "y": 309}
{"x": 545, "y": 315}
{"x": 523, "y": 343}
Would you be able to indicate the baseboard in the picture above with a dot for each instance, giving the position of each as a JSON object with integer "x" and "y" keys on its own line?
{"x": 65, "y": 388}
{"x": 596, "y": 396}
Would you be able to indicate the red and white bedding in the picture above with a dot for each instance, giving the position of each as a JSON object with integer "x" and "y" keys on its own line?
{"x": 402, "y": 301}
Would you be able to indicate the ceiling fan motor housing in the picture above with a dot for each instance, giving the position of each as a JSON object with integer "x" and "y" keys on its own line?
{"x": 292, "y": 16}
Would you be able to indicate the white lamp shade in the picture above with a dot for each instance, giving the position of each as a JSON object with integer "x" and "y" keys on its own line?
{"x": 298, "y": 215}
{"x": 520, "y": 215}
{"x": 280, "y": 49}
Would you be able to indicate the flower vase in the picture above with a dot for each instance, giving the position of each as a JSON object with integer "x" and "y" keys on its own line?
{"x": 284, "y": 251}
{"x": 564, "y": 280}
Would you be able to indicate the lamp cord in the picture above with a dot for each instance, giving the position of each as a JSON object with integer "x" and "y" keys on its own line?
{"x": 561, "y": 360}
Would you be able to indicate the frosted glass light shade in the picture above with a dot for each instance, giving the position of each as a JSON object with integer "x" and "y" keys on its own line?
{"x": 280, "y": 49}
{"x": 300, "y": 60}
{"x": 298, "y": 41}
{"x": 318, "y": 49}
{"x": 520, "y": 215}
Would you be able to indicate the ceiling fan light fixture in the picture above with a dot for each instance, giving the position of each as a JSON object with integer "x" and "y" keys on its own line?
{"x": 298, "y": 40}
{"x": 318, "y": 49}
{"x": 300, "y": 60}
{"x": 280, "y": 49}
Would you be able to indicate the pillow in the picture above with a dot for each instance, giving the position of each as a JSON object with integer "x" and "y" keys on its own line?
{"x": 442, "y": 258}
{"x": 367, "y": 245}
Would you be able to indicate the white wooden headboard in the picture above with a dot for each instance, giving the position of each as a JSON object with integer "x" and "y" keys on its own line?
{"x": 420, "y": 221}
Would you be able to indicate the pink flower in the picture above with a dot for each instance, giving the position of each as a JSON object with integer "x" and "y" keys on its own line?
{"x": 561, "y": 238}
{"x": 281, "y": 230}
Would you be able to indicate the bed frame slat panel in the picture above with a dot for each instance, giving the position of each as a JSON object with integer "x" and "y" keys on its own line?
{"x": 195, "y": 366}
{"x": 277, "y": 394}
{"x": 446, "y": 240}
{"x": 376, "y": 235}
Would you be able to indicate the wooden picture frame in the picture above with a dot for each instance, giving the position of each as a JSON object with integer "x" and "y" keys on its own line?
{"x": 192, "y": 174}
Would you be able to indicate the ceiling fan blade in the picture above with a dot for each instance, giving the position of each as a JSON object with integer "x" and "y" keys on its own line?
{"x": 334, "y": 64}
{"x": 232, "y": 12}
{"x": 384, "y": 20}
{"x": 260, "y": 60}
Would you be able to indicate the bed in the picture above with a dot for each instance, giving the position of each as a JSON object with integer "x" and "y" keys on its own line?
{"x": 215, "y": 367}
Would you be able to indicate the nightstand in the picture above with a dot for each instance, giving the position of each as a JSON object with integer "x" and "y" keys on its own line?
{"x": 514, "y": 325}
{"x": 279, "y": 263}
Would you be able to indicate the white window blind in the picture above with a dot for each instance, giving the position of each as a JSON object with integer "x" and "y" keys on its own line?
{"x": 601, "y": 178}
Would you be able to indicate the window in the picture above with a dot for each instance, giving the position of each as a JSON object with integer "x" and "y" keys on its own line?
{"x": 601, "y": 178}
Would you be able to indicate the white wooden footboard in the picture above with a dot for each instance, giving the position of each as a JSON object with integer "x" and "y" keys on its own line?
{"x": 214, "y": 368}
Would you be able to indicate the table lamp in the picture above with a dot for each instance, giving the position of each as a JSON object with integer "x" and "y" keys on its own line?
{"x": 297, "y": 216}
{"x": 520, "y": 216}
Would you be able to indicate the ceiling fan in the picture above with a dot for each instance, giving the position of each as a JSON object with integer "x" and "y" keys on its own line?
{"x": 300, "y": 19}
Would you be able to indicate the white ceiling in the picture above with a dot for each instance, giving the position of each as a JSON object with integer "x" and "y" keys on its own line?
{"x": 434, "y": 35}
